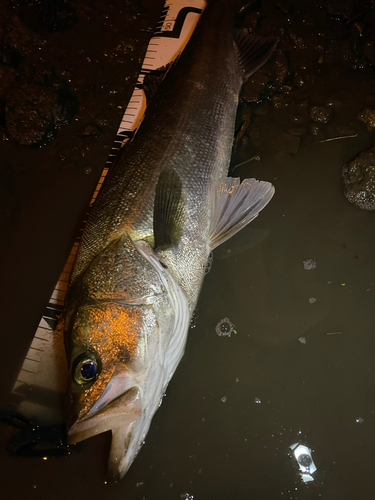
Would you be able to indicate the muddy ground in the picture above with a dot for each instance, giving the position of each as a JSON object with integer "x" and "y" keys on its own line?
{"x": 298, "y": 283}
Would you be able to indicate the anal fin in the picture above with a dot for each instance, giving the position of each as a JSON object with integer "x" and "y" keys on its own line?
{"x": 234, "y": 205}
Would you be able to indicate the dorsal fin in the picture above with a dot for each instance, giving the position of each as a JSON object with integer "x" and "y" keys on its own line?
{"x": 168, "y": 210}
{"x": 253, "y": 51}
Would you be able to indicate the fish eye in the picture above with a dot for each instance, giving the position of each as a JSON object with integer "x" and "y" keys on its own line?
{"x": 86, "y": 368}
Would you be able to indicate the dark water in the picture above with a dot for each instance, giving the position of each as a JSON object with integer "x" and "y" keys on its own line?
{"x": 236, "y": 404}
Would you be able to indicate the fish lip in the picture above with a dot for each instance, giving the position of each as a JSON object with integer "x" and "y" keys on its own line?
{"x": 123, "y": 410}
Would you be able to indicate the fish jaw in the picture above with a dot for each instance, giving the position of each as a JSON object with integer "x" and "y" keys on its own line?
{"x": 119, "y": 412}
{"x": 126, "y": 443}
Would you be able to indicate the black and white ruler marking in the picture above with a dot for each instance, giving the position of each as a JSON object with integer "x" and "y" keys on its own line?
{"x": 40, "y": 385}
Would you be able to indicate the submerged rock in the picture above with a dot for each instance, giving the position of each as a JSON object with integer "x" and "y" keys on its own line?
{"x": 321, "y": 114}
{"x": 359, "y": 180}
{"x": 33, "y": 113}
{"x": 367, "y": 116}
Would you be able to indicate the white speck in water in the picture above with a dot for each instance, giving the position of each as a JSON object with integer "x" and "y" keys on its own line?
{"x": 237, "y": 379}
{"x": 186, "y": 496}
{"x": 359, "y": 420}
{"x": 223, "y": 399}
{"x": 225, "y": 328}
{"x": 257, "y": 400}
{"x": 302, "y": 340}
{"x": 309, "y": 264}
{"x": 312, "y": 300}
{"x": 139, "y": 484}
{"x": 229, "y": 250}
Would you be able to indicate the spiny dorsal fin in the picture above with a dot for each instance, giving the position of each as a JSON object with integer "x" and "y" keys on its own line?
{"x": 253, "y": 51}
{"x": 234, "y": 205}
{"x": 168, "y": 210}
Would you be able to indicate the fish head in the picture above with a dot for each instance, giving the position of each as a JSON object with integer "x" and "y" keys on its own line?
{"x": 106, "y": 364}
{"x": 118, "y": 345}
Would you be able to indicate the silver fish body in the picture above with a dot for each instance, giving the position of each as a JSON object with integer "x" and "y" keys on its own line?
{"x": 142, "y": 259}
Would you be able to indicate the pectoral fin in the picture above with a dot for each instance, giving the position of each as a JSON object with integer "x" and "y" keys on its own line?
{"x": 234, "y": 205}
{"x": 168, "y": 210}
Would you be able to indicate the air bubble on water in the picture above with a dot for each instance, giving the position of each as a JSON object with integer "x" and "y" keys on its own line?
{"x": 309, "y": 264}
{"x": 302, "y": 340}
{"x": 88, "y": 170}
{"x": 225, "y": 328}
{"x": 209, "y": 263}
{"x": 359, "y": 420}
{"x": 257, "y": 400}
{"x": 223, "y": 399}
{"x": 312, "y": 300}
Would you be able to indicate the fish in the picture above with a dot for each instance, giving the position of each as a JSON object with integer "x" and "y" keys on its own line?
{"x": 142, "y": 259}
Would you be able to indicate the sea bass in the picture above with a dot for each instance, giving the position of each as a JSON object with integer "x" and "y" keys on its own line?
{"x": 143, "y": 254}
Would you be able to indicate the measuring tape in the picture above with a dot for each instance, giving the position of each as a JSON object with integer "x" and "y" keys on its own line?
{"x": 41, "y": 383}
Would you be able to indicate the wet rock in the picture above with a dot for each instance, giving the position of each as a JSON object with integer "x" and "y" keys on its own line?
{"x": 287, "y": 143}
{"x": 316, "y": 131}
{"x": 339, "y": 10}
{"x": 58, "y": 16}
{"x": 285, "y": 6}
{"x": 297, "y": 41}
{"x": 251, "y": 20}
{"x": 280, "y": 65}
{"x": 321, "y": 114}
{"x": 20, "y": 40}
{"x": 369, "y": 52}
{"x": 7, "y": 79}
{"x": 255, "y": 85}
{"x": 281, "y": 101}
{"x": 367, "y": 116}
{"x": 9, "y": 56}
{"x": 34, "y": 112}
{"x": 92, "y": 130}
{"x": 359, "y": 180}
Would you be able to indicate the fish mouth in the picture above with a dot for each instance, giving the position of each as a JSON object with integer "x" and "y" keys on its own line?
{"x": 119, "y": 412}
